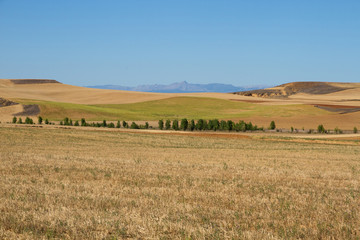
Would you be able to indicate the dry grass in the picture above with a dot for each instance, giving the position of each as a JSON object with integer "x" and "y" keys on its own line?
{"x": 83, "y": 184}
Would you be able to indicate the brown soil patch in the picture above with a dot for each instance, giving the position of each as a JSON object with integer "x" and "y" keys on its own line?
{"x": 29, "y": 110}
{"x": 338, "y": 108}
{"x": 5, "y": 103}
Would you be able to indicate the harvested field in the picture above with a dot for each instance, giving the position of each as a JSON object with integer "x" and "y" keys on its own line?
{"x": 72, "y": 183}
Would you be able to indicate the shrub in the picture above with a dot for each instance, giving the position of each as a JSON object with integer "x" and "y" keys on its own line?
{"x": 249, "y": 126}
{"x": 355, "y": 130}
{"x": 118, "y": 125}
{"x": 125, "y": 124}
{"x": 184, "y": 124}
{"x": 337, "y": 130}
{"x": 175, "y": 125}
{"x": 104, "y": 124}
{"x": 61, "y": 123}
{"x": 47, "y": 121}
{"x": 134, "y": 126}
{"x": 20, "y": 121}
{"x": 146, "y": 125}
{"x": 14, "y": 120}
{"x": 76, "y": 123}
{"x": 292, "y": 129}
{"x": 167, "y": 124}
{"x": 40, "y": 120}
{"x": 161, "y": 124}
{"x": 272, "y": 125}
{"x": 111, "y": 125}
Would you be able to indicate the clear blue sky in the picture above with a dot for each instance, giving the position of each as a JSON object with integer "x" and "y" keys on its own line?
{"x": 131, "y": 42}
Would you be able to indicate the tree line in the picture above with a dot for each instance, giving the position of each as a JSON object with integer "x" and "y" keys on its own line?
{"x": 177, "y": 125}
{"x": 203, "y": 125}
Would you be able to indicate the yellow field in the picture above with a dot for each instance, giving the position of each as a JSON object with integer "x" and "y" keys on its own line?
{"x": 86, "y": 184}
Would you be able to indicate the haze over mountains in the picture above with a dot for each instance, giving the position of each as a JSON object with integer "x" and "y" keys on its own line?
{"x": 181, "y": 87}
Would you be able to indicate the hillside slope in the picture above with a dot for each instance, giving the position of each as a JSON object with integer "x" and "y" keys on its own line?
{"x": 309, "y": 88}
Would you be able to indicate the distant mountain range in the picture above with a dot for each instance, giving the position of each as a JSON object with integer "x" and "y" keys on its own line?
{"x": 181, "y": 87}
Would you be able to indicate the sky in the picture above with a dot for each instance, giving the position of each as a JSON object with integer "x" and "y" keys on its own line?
{"x": 132, "y": 42}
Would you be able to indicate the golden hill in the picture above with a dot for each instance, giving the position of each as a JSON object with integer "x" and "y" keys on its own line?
{"x": 293, "y": 104}
{"x": 312, "y": 89}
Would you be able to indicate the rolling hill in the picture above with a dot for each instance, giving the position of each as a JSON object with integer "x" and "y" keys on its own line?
{"x": 303, "y": 104}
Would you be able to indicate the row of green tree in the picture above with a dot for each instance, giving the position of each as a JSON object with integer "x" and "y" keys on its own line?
{"x": 184, "y": 124}
{"x": 29, "y": 120}
{"x": 69, "y": 122}
{"x": 215, "y": 125}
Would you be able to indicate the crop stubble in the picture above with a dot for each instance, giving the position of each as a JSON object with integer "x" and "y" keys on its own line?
{"x": 66, "y": 183}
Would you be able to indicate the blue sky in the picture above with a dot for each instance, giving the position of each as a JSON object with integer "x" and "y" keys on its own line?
{"x": 200, "y": 41}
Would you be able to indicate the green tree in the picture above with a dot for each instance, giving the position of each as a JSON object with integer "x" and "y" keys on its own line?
{"x": 28, "y": 120}
{"x": 355, "y": 130}
{"x": 118, "y": 125}
{"x": 161, "y": 124}
{"x": 40, "y": 120}
{"x": 146, "y": 125}
{"x": 184, "y": 124}
{"x": 66, "y": 121}
{"x": 104, "y": 124}
{"x": 229, "y": 125}
{"x": 242, "y": 126}
{"x": 192, "y": 125}
{"x": 223, "y": 125}
{"x": 134, "y": 126}
{"x": 125, "y": 124}
{"x": 61, "y": 123}
{"x": 175, "y": 125}
{"x": 214, "y": 124}
{"x": 111, "y": 125}
{"x": 47, "y": 121}
{"x": 20, "y": 121}
{"x": 321, "y": 129}
{"x": 76, "y": 123}
{"x": 272, "y": 125}
{"x": 83, "y": 122}
{"x": 200, "y": 125}
{"x": 167, "y": 124}
{"x": 14, "y": 119}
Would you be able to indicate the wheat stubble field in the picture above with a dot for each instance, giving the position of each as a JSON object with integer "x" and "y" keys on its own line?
{"x": 84, "y": 184}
